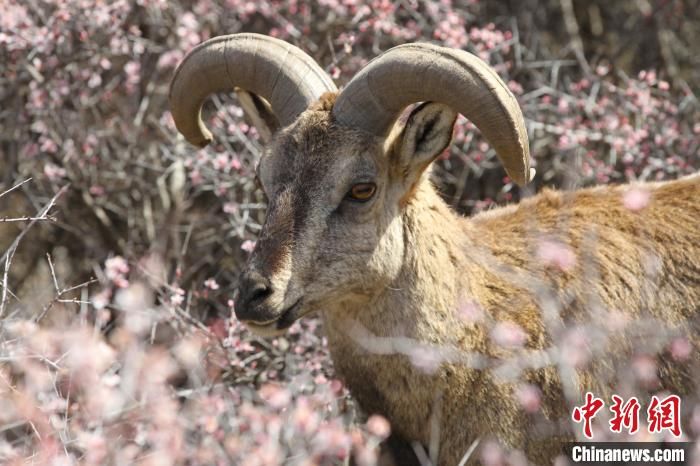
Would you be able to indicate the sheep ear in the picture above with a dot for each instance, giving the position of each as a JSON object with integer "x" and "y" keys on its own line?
{"x": 259, "y": 113}
{"x": 428, "y": 131}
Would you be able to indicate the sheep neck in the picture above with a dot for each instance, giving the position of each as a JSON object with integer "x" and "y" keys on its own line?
{"x": 426, "y": 288}
{"x": 377, "y": 345}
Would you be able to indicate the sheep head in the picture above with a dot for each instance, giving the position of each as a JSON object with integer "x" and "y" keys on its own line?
{"x": 339, "y": 168}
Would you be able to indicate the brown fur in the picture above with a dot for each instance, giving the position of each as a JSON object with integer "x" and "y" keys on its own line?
{"x": 442, "y": 260}
{"x": 389, "y": 276}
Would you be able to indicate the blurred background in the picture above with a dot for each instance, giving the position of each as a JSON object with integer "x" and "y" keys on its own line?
{"x": 116, "y": 235}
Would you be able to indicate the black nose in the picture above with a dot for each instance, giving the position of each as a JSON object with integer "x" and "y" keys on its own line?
{"x": 253, "y": 290}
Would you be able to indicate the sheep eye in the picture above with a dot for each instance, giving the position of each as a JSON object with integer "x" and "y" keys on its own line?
{"x": 362, "y": 192}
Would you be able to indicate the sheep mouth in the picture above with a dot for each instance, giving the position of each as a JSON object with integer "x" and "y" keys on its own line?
{"x": 289, "y": 316}
{"x": 279, "y": 325}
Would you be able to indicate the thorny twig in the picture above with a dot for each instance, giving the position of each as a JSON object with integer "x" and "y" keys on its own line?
{"x": 15, "y": 187}
{"x": 27, "y": 219}
{"x": 8, "y": 255}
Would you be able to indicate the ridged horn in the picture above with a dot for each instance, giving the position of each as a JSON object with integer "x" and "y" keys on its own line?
{"x": 281, "y": 73}
{"x": 412, "y": 73}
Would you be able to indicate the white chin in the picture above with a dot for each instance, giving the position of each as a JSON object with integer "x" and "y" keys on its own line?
{"x": 270, "y": 330}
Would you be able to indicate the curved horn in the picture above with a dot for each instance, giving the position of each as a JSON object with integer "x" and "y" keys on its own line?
{"x": 414, "y": 73}
{"x": 279, "y": 72}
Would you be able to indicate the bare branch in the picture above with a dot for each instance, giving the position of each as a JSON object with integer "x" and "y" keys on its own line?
{"x": 53, "y": 273}
{"x": 15, "y": 187}
{"x": 27, "y": 219}
{"x": 9, "y": 254}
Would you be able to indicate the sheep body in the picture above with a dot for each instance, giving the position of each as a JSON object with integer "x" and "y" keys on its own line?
{"x": 433, "y": 320}
{"x": 632, "y": 264}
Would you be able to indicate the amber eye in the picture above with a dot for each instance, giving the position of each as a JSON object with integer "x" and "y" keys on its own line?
{"x": 362, "y": 192}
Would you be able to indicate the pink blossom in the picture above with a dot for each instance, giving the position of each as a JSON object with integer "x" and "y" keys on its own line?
{"x": 133, "y": 75}
{"x": 492, "y": 454}
{"x": 196, "y": 177}
{"x": 470, "y": 312}
{"x": 95, "y": 80}
{"x": 681, "y": 348}
{"x": 230, "y": 207}
{"x": 248, "y": 245}
{"x": 636, "y": 198}
{"x": 136, "y": 299}
{"x": 221, "y": 162}
{"x": 695, "y": 419}
{"x": 337, "y": 387}
{"x": 645, "y": 369}
{"x": 332, "y": 441}
{"x": 556, "y": 254}
{"x": 48, "y": 145}
{"x": 53, "y": 172}
{"x": 170, "y": 59}
{"x": 304, "y": 418}
{"x": 176, "y": 299}
{"x": 529, "y": 397}
{"x": 116, "y": 270}
{"x": 211, "y": 284}
{"x": 276, "y": 396}
{"x": 378, "y": 425}
{"x": 508, "y": 334}
{"x": 574, "y": 348}
{"x": 515, "y": 87}
{"x": 97, "y": 190}
{"x": 95, "y": 445}
{"x": 101, "y": 299}
{"x": 426, "y": 359}
{"x": 517, "y": 458}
